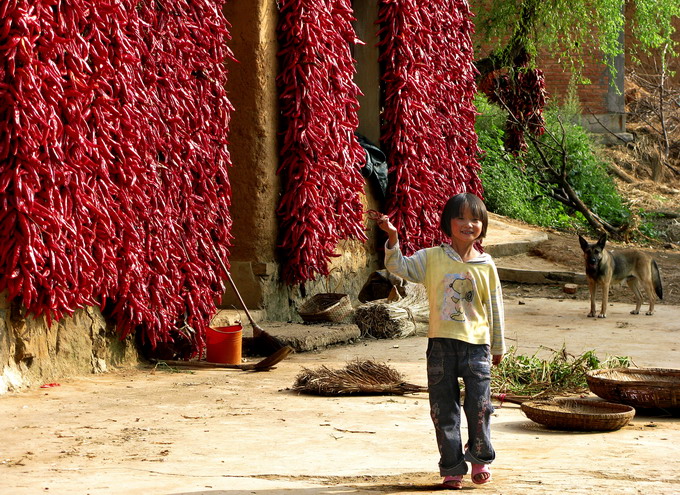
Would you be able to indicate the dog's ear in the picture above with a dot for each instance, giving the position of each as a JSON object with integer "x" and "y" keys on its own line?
{"x": 583, "y": 242}
{"x": 602, "y": 241}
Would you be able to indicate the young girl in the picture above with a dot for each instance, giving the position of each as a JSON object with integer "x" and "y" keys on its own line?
{"x": 465, "y": 330}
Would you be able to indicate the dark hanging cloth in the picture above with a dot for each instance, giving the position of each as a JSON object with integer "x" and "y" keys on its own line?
{"x": 375, "y": 168}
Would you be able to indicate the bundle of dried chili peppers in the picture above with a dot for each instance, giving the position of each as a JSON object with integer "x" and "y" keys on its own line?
{"x": 320, "y": 157}
{"x": 521, "y": 92}
{"x": 113, "y": 161}
{"x": 428, "y": 117}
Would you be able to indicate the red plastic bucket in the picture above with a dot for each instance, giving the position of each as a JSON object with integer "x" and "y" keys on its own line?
{"x": 223, "y": 344}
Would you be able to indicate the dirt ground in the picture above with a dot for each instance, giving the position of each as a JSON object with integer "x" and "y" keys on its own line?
{"x": 169, "y": 431}
{"x": 229, "y": 432}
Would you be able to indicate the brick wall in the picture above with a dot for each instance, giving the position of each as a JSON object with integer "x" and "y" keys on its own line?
{"x": 601, "y": 101}
{"x": 593, "y": 97}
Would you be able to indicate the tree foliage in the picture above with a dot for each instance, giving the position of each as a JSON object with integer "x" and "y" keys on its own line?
{"x": 653, "y": 24}
{"x": 558, "y": 175}
{"x": 568, "y": 29}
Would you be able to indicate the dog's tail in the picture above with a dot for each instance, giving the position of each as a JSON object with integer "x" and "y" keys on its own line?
{"x": 656, "y": 279}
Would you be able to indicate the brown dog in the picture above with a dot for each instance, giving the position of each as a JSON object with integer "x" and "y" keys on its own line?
{"x": 605, "y": 268}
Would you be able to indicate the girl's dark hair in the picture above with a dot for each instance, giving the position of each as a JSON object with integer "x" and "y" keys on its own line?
{"x": 454, "y": 207}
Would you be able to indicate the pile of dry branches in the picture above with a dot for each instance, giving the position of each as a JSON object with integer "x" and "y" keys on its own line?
{"x": 653, "y": 115}
{"x": 396, "y": 316}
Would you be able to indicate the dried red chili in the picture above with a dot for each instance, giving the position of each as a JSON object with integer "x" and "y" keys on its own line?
{"x": 320, "y": 156}
{"x": 522, "y": 92}
{"x": 428, "y": 117}
{"x": 113, "y": 160}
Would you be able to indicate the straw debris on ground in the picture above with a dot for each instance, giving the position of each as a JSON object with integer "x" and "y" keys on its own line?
{"x": 517, "y": 378}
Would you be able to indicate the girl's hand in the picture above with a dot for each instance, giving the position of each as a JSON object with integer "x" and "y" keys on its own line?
{"x": 496, "y": 359}
{"x": 382, "y": 220}
{"x": 384, "y": 224}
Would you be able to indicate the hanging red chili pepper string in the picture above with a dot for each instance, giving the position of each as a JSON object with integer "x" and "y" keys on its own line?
{"x": 522, "y": 92}
{"x": 113, "y": 129}
{"x": 320, "y": 156}
{"x": 182, "y": 62}
{"x": 428, "y": 117}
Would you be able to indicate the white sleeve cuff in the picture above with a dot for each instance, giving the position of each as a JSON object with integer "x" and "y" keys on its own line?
{"x": 393, "y": 248}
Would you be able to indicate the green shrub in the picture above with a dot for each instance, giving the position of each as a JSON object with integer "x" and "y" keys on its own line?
{"x": 509, "y": 189}
{"x": 647, "y": 226}
{"x": 516, "y": 187}
{"x": 586, "y": 170}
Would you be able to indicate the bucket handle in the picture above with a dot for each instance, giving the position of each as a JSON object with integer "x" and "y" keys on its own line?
{"x": 239, "y": 326}
{"x": 240, "y": 319}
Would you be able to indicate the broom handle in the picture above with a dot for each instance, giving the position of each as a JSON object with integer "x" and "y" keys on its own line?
{"x": 256, "y": 328}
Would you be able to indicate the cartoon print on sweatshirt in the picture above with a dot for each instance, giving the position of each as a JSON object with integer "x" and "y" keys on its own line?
{"x": 459, "y": 290}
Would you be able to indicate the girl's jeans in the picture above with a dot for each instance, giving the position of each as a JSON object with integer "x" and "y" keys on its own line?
{"x": 447, "y": 360}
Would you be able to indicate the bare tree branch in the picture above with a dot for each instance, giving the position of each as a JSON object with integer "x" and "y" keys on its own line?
{"x": 569, "y": 196}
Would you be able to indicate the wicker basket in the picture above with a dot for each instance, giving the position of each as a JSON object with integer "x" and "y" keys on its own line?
{"x": 637, "y": 387}
{"x": 578, "y": 414}
{"x": 327, "y": 306}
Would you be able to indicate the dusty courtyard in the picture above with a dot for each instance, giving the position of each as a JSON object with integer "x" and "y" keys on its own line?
{"x": 230, "y": 432}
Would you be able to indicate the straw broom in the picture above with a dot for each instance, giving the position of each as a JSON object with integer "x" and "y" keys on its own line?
{"x": 357, "y": 378}
{"x": 262, "y": 341}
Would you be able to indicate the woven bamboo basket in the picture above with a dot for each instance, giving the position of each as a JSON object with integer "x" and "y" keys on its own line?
{"x": 327, "y": 306}
{"x": 638, "y": 387}
{"x": 578, "y": 414}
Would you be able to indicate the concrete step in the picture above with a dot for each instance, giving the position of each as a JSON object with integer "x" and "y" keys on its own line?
{"x": 508, "y": 239}
{"x": 527, "y": 269}
{"x": 510, "y": 245}
{"x": 310, "y": 337}
{"x": 301, "y": 337}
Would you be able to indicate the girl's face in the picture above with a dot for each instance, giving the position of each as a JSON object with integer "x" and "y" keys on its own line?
{"x": 465, "y": 227}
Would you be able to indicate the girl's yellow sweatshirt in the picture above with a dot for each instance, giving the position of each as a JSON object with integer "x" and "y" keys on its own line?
{"x": 465, "y": 298}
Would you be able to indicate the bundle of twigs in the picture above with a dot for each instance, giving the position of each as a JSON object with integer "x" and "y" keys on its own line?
{"x": 385, "y": 319}
{"x": 357, "y": 378}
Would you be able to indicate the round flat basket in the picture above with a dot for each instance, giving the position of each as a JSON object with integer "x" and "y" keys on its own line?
{"x": 327, "y": 306}
{"x": 637, "y": 387}
{"x": 578, "y": 414}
